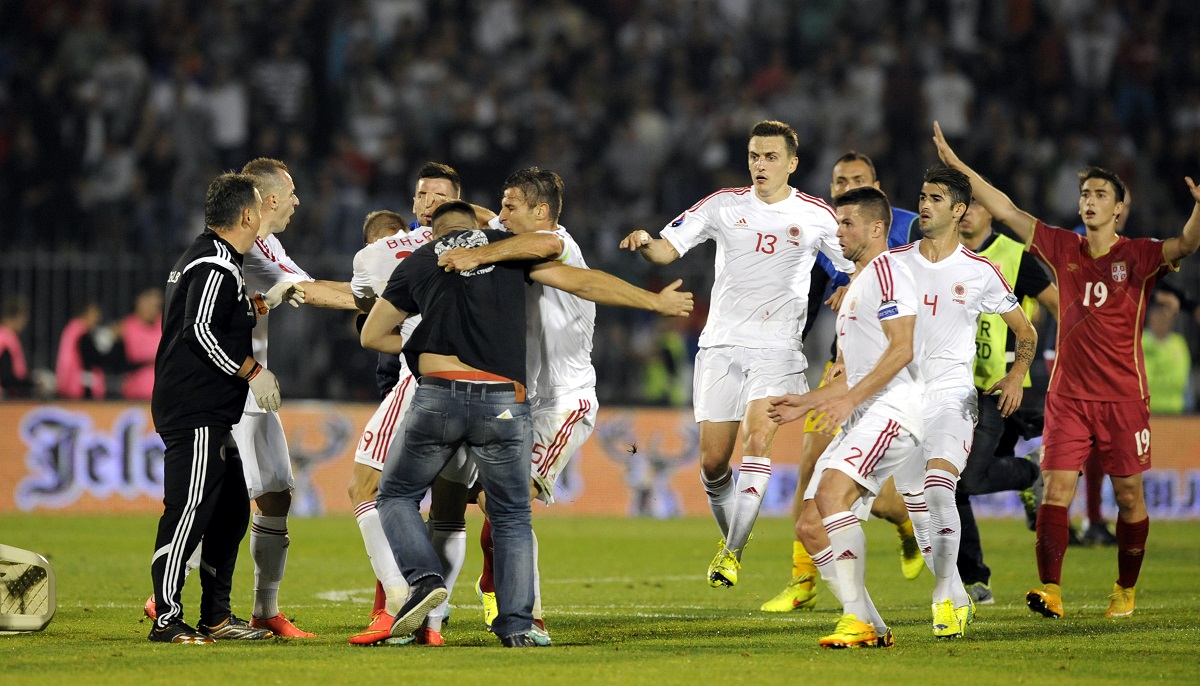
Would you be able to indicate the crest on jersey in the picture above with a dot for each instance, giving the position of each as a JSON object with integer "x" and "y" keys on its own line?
{"x": 959, "y": 290}
{"x": 793, "y": 234}
{"x": 1119, "y": 272}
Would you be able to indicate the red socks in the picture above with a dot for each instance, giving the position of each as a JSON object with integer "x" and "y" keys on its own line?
{"x": 380, "y": 599}
{"x": 1131, "y": 544}
{"x": 486, "y": 583}
{"x": 1053, "y": 534}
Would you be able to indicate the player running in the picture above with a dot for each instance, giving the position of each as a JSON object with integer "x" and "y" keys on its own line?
{"x": 767, "y": 236}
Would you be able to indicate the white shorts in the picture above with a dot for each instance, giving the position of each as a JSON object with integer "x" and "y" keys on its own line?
{"x": 560, "y": 427}
{"x": 870, "y": 448}
{"x": 384, "y": 435}
{"x": 728, "y": 378}
{"x": 266, "y": 462}
{"x": 950, "y": 418}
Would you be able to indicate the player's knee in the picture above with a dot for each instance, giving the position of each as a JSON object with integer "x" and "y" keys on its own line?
{"x": 1128, "y": 498}
{"x": 274, "y": 504}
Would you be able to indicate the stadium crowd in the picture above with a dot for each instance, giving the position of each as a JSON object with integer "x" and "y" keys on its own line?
{"x": 114, "y": 114}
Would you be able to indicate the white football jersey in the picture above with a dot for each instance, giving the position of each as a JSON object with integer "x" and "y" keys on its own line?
{"x": 374, "y": 264}
{"x": 951, "y": 295}
{"x": 558, "y": 340}
{"x": 265, "y": 265}
{"x": 765, "y": 253}
{"x": 885, "y": 290}
{"x": 558, "y": 345}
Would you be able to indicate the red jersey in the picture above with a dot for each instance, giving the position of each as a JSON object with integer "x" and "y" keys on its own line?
{"x": 1102, "y": 301}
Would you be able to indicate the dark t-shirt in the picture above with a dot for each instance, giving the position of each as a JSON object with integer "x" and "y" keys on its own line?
{"x": 478, "y": 315}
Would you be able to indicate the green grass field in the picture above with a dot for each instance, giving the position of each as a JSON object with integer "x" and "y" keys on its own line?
{"x": 626, "y": 602}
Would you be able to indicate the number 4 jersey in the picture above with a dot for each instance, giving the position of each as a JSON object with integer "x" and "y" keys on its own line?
{"x": 765, "y": 255}
{"x": 1101, "y": 305}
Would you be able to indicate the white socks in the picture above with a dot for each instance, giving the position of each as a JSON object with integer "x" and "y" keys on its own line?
{"x": 450, "y": 542}
{"x": 720, "y": 499}
{"x": 268, "y": 546}
{"x": 945, "y": 535}
{"x": 383, "y": 562}
{"x": 753, "y": 476}
{"x": 918, "y": 513}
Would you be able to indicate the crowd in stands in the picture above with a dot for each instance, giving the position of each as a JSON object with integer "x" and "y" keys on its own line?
{"x": 115, "y": 114}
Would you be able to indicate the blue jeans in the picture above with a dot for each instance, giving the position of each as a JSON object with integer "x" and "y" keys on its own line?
{"x": 438, "y": 422}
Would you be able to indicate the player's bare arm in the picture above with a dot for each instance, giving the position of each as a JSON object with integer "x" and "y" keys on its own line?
{"x": 1048, "y": 299}
{"x": 655, "y": 250}
{"x": 788, "y": 408}
{"x": 537, "y": 245}
{"x": 999, "y": 205}
{"x": 605, "y": 289}
{"x": 483, "y": 215}
{"x": 381, "y": 331}
{"x": 896, "y": 356}
{"x": 1188, "y": 240}
{"x": 334, "y": 295}
{"x": 1011, "y": 387}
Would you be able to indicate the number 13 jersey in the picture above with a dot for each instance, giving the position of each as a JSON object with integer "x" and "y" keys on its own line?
{"x": 765, "y": 254}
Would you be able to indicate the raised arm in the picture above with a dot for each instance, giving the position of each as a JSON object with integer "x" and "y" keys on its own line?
{"x": 1179, "y": 247}
{"x": 993, "y": 200}
{"x": 381, "y": 330}
{"x": 538, "y": 245}
{"x": 605, "y": 289}
{"x": 655, "y": 250}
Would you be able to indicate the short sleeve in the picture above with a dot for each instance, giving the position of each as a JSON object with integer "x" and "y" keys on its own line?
{"x": 898, "y": 291}
{"x": 1051, "y": 243}
{"x": 997, "y": 296}
{"x": 1150, "y": 258}
{"x": 399, "y": 291}
{"x": 694, "y": 226}
{"x": 360, "y": 282}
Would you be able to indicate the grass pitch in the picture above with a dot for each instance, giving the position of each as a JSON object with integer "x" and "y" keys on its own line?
{"x": 626, "y": 603}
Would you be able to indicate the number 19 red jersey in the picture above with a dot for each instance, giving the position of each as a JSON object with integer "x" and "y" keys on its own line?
{"x": 1102, "y": 301}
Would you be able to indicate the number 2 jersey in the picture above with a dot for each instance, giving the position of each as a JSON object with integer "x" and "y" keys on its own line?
{"x": 884, "y": 290}
{"x": 765, "y": 256}
{"x": 1102, "y": 301}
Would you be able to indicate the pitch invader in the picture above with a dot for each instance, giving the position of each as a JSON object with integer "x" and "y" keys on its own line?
{"x": 876, "y": 402}
{"x": 1097, "y": 403}
{"x": 767, "y": 236}
{"x": 954, "y": 286}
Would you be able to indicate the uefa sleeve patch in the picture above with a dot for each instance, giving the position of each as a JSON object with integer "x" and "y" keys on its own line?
{"x": 888, "y": 311}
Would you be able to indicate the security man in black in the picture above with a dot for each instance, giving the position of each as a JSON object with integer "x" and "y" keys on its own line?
{"x": 202, "y": 370}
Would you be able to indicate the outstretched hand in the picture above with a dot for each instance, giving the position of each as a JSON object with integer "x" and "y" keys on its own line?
{"x": 945, "y": 152}
{"x": 1193, "y": 188}
{"x": 674, "y": 302}
{"x": 788, "y": 408}
{"x": 284, "y": 292}
{"x": 636, "y": 240}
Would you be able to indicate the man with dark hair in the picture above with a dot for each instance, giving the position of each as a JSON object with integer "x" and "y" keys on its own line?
{"x": 562, "y": 381}
{"x": 469, "y": 355}
{"x": 203, "y": 370}
{"x": 767, "y": 236}
{"x": 851, "y": 170}
{"x": 437, "y": 184}
{"x": 876, "y": 402}
{"x": 1097, "y": 401}
{"x": 955, "y": 286}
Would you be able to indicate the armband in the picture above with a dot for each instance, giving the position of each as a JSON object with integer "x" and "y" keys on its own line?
{"x": 260, "y": 305}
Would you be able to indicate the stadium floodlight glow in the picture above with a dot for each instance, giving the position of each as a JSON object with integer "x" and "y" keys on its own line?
{"x": 26, "y": 590}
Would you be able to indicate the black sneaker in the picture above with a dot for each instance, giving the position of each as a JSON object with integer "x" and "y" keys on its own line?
{"x": 519, "y": 641}
{"x": 426, "y": 595}
{"x": 235, "y": 629}
{"x": 178, "y": 632}
{"x": 1097, "y": 534}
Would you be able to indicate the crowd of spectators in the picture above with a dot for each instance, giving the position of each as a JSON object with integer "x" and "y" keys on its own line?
{"x": 115, "y": 114}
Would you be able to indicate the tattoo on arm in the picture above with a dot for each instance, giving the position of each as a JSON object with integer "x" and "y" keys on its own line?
{"x": 1026, "y": 348}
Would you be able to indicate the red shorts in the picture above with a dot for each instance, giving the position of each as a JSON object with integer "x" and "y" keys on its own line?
{"x": 1117, "y": 432}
